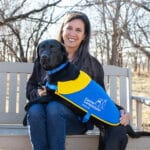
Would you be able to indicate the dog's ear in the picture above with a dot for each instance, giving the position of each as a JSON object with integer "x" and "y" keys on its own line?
{"x": 37, "y": 57}
{"x": 64, "y": 52}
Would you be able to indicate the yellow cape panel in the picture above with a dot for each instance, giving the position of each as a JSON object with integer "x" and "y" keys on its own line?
{"x": 72, "y": 86}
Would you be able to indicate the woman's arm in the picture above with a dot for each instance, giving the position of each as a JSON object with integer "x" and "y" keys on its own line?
{"x": 33, "y": 90}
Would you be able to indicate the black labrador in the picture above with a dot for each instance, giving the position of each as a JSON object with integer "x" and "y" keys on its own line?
{"x": 53, "y": 58}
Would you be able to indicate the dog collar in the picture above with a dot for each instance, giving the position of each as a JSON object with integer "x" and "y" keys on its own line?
{"x": 51, "y": 86}
{"x": 57, "y": 69}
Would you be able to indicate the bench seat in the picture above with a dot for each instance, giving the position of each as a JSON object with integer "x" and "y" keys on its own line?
{"x": 73, "y": 142}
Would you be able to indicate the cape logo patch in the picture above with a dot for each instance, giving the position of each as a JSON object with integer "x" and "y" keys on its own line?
{"x": 98, "y": 105}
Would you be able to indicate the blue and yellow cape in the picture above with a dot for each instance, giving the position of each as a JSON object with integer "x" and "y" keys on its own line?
{"x": 87, "y": 95}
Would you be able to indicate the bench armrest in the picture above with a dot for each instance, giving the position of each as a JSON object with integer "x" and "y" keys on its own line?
{"x": 143, "y": 100}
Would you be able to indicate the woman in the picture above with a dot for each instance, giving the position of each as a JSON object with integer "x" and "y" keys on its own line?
{"x": 51, "y": 122}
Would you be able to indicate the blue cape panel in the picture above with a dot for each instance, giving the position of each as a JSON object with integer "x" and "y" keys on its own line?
{"x": 93, "y": 100}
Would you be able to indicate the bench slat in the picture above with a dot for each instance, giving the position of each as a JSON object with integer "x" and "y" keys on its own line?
{"x": 113, "y": 88}
{"x": 11, "y": 118}
{"x": 123, "y": 92}
{"x": 111, "y": 70}
{"x": 12, "y": 92}
{"x": 16, "y": 67}
{"x": 3, "y": 91}
{"x": 22, "y": 94}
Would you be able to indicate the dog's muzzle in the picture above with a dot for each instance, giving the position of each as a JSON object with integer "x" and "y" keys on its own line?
{"x": 44, "y": 57}
{"x": 44, "y": 60}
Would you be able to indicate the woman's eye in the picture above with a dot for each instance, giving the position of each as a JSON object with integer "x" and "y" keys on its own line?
{"x": 69, "y": 28}
{"x": 78, "y": 30}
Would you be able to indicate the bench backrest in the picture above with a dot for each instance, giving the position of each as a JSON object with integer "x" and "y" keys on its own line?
{"x": 118, "y": 85}
{"x": 13, "y": 78}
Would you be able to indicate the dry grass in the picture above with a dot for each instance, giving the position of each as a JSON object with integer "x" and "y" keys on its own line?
{"x": 141, "y": 84}
{"x": 141, "y": 87}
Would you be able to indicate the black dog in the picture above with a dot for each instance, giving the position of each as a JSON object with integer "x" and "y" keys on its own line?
{"x": 53, "y": 58}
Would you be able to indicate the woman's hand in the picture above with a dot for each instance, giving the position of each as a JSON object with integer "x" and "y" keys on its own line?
{"x": 125, "y": 118}
{"x": 42, "y": 91}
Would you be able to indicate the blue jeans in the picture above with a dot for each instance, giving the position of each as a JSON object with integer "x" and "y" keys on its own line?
{"x": 49, "y": 124}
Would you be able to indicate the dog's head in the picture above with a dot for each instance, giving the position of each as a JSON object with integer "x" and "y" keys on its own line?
{"x": 51, "y": 53}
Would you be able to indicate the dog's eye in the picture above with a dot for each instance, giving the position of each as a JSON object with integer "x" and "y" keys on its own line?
{"x": 53, "y": 51}
{"x": 51, "y": 46}
{"x": 42, "y": 47}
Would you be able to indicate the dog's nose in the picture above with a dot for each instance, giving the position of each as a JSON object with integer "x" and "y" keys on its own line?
{"x": 44, "y": 56}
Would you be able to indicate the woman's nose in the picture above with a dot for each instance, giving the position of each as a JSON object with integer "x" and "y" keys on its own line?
{"x": 72, "y": 32}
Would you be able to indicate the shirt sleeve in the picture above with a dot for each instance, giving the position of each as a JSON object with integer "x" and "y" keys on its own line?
{"x": 32, "y": 83}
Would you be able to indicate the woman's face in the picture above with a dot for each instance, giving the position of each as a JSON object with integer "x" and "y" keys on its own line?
{"x": 73, "y": 35}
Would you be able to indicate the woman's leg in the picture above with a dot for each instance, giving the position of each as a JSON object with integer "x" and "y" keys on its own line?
{"x": 115, "y": 138}
{"x": 37, "y": 127}
{"x": 61, "y": 121}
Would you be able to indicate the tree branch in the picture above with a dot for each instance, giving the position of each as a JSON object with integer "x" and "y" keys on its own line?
{"x": 4, "y": 21}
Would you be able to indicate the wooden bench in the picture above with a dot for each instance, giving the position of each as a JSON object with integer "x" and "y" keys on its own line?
{"x": 13, "y": 136}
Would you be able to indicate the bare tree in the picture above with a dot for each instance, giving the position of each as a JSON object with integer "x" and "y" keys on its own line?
{"x": 121, "y": 24}
{"x": 110, "y": 30}
{"x": 21, "y": 31}
{"x": 136, "y": 31}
